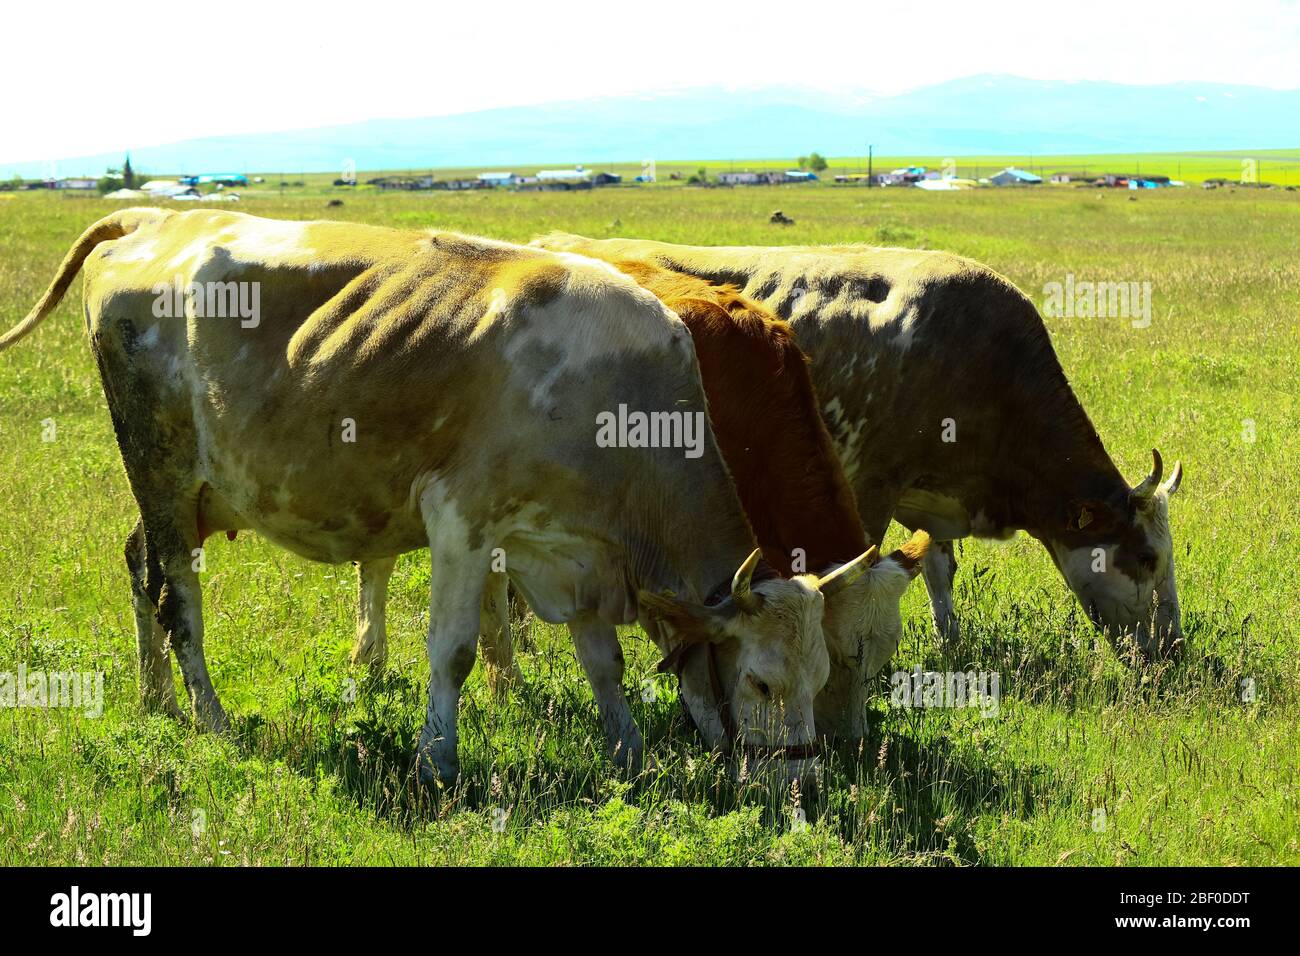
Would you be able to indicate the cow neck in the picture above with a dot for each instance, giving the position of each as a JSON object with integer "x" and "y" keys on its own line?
{"x": 1064, "y": 463}
{"x": 764, "y": 412}
{"x": 683, "y": 528}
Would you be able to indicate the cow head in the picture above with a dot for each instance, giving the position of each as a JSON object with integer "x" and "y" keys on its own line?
{"x": 863, "y": 627}
{"x": 769, "y": 654}
{"x": 1118, "y": 558}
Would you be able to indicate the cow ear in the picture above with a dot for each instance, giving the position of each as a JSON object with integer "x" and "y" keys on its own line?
{"x": 690, "y": 622}
{"x": 911, "y": 554}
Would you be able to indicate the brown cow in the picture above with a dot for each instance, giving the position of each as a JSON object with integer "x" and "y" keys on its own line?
{"x": 764, "y": 412}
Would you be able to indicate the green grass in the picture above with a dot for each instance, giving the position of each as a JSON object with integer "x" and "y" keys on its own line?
{"x": 1184, "y": 770}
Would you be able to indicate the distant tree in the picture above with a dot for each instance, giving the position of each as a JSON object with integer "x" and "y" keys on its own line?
{"x": 125, "y": 178}
{"x": 803, "y": 162}
{"x": 816, "y": 162}
{"x": 701, "y": 176}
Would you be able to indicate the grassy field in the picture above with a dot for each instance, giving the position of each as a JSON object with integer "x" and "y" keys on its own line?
{"x": 1087, "y": 761}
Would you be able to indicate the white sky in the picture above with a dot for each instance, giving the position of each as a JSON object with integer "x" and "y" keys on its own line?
{"x": 77, "y": 80}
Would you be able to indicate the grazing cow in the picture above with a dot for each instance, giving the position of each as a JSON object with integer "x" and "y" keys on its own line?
{"x": 763, "y": 409}
{"x": 389, "y": 390}
{"x": 764, "y": 412}
{"x": 951, "y": 413}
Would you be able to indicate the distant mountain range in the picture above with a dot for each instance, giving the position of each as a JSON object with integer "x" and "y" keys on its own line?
{"x": 997, "y": 115}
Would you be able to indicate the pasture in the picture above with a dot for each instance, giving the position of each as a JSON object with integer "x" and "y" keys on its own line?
{"x": 1085, "y": 762}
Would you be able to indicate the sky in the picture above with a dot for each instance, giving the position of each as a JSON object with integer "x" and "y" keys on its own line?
{"x": 92, "y": 81}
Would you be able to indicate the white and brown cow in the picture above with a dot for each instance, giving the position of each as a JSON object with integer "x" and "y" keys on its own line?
{"x": 951, "y": 413}
{"x": 394, "y": 390}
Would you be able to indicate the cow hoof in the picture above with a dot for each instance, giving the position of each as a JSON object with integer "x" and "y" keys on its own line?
{"x": 435, "y": 771}
{"x": 371, "y": 655}
{"x": 629, "y": 753}
{"x": 211, "y": 718}
{"x": 170, "y": 709}
{"x": 436, "y": 776}
{"x": 949, "y": 631}
{"x": 152, "y": 703}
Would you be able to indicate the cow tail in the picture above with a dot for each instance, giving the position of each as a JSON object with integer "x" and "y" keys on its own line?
{"x": 116, "y": 226}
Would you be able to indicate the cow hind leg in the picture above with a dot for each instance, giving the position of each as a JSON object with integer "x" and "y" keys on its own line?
{"x": 940, "y": 568}
{"x": 496, "y": 643}
{"x": 156, "y": 442}
{"x": 172, "y": 583}
{"x": 157, "y": 687}
{"x": 601, "y": 656}
{"x": 371, "y": 646}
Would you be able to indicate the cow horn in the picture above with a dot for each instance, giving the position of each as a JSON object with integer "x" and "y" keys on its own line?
{"x": 1175, "y": 479}
{"x": 1151, "y": 482}
{"x": 740, "y": 592}
{"x": 846, "y": 574}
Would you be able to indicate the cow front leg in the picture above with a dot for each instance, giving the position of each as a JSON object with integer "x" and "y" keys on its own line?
{"x": 371, "y": 647}
{"x": 601, "y": 657}
{"x": 157, "y": 687}
{"x": 496, "y": 644}
{"x": 457, "y": 569}
{"x": 940, "y": 568}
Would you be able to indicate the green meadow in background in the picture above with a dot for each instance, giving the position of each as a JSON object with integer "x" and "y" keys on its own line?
{"x": 1086, "y": 762}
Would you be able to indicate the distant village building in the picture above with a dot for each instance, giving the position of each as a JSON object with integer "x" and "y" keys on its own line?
{"x": 577, "y": 174}
{"x": 769, "y": 177}
{"x": 908, "y": 174}
{"x": 220, "y": 179}
{"x": 498, "y": 179}
{"x": 168, "y": 189}
{"x": 77, "y": 184}
{"x": 557, "y": 180}
{"x": 1152, "y": 182}
{"x": 1015, "y": 177}
{"x": 942, "y": 185}
{"x": 1060, "y": 177}
{"x": 540, "y": 185}
{"x": 403, "y": 182}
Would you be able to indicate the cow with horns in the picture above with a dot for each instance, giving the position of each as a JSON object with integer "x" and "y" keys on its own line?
{"x": 393, "y": 390}
{"x": 951, "y": 413}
